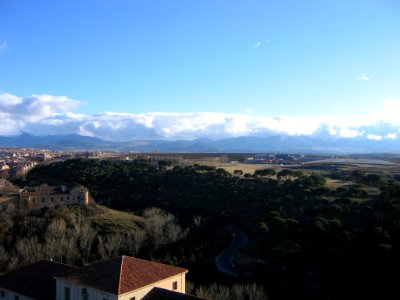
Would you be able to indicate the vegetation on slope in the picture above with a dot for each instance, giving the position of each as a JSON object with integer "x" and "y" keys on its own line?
{"x": 305, "y": 238}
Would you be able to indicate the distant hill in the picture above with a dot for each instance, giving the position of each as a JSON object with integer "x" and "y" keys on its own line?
{"x": 71, "y": 141}
{"x": 304, "y": 144}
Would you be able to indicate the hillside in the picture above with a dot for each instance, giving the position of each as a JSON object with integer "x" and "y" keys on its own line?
{"x": 317, "y": 234}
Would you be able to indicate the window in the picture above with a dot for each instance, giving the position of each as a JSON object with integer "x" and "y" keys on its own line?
{"x": 85, "y": 294}
{"x": 67, "y": 293}
{"x": 16, "y": 297}
{"x": 175, "y": 285}
{"x": 42, "y": 199}
{"x": 3, "y": 294}
{"x": 132, "y": 298}
{"x": 62, "y": 199}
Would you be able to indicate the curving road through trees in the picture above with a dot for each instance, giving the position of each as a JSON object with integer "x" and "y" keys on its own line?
{"x": 225, "y": 260}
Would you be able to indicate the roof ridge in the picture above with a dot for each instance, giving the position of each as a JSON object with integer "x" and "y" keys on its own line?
{"x": 133, "y": 273}
{"x": 120, "y": 273}
{"x": 158, "y": 263}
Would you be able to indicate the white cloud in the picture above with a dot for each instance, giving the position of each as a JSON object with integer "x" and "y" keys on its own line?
{"x": 389, "y": 111}
{"x": 349, "y": 132}
{"x": 16, "y": 112}
{"x": 122, "y": 126}
{"x": 391, "y": 136}
{"x": 9, "y": 125}
{"x": 374, "y": 137}
{"x": 49, "y": 115}
{"x": 364, "y": 77}
{"x": 257, "y": 45}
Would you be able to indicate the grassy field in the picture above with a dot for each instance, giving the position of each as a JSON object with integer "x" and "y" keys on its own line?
{"x": 110, "y": 220}
{"x": 335, "y": 183}
{"x": 245, "y": 168}
{"x": 232, "y": 166}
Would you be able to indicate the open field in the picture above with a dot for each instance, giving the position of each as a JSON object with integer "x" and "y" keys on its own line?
{"x": 358, "y": 161}
{"x": 335, "y": 183}
{"x": 348, "y": 165}
{"x": 341, "y": 167}
{"x": 324, "y": 166}
{"x": 232, "y": 166}
{"x": 108, "y": 219}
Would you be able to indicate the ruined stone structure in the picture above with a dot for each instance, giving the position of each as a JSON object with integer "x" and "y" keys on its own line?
{"x": 42, "y": 196}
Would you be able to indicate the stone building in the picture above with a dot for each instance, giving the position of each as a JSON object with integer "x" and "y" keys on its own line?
{"x": 46, "y": 196}
{"x": 42, "y": 196}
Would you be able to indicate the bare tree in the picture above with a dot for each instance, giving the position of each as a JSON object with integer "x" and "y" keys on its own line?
{"x": 162, "y": 228}
{"x": 234, "y": 292}
{"x": 61, "y": 242}
{"x": 134, "y": 241}
{"x": 4, "y": 258}
{"x": 29, "y": 250}
{"x": 83, "y": 233}
{"x": 110, "y": 245}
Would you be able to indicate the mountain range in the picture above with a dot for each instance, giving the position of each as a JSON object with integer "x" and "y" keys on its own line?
{"x": 289, "y": 144}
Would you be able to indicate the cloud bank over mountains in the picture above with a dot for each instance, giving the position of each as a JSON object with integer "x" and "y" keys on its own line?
{"x": 53, "y": 115}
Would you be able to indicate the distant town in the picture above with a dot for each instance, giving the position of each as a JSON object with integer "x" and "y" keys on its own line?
{"x": 16, "y": 162}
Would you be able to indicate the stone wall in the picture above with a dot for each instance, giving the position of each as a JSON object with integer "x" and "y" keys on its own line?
{"x": 46, "y": 198}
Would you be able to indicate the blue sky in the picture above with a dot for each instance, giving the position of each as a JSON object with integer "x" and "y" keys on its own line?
{"x": 243, "y": 59}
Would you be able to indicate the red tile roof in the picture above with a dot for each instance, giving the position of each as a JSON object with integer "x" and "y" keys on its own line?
{"x": 121, "y": 274}
{"x": 9, "y": 190}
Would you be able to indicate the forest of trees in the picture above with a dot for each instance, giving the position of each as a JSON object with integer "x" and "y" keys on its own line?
{"x": 305, "y": 238}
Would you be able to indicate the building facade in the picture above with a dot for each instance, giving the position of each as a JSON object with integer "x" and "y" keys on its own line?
{"x": 120, "y": 278}
{"x": 43, "y": 196}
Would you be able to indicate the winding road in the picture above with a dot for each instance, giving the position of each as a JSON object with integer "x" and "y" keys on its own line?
{"x": 224, "y": 261}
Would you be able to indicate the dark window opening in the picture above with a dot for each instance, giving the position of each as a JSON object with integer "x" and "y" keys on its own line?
{"x": 175, "y": 285}
{"x": 2, "y": 293}
{"x": 67, "y": 294}
{"x": 85, "y": 294}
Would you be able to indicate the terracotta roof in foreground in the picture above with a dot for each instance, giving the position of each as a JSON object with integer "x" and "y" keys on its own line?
{"x": 121, "y": 274}
{"x": 35, "y": 281}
